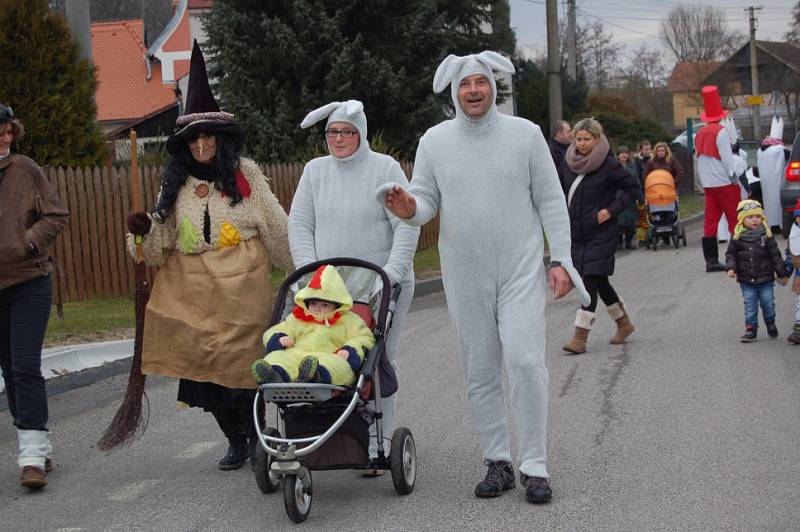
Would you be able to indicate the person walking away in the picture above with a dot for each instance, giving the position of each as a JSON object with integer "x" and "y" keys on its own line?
{"x": 32, "y": 216}
{"x": 471, "y": 169}
{"x": 598, "y": 189}
{"x": 715, "y": 167}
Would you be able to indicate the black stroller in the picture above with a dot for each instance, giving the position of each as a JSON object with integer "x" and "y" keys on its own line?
{"x": 326, "y": 427}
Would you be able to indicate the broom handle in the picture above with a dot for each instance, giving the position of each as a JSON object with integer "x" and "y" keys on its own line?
{"x": 136, "y": 193}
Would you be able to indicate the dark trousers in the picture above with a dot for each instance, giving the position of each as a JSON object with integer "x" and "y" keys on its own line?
{"x": 599, "y": 284}
{"x": 24, "y": 313}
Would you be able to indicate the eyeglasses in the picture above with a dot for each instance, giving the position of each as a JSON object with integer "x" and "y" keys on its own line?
{"x": 6, "y": 113}
{"x": 749, "y": 206}
{"x": 345, "y": 133}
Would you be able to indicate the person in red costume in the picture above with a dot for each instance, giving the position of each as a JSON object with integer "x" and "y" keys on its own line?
{"x": 715, "y": 166}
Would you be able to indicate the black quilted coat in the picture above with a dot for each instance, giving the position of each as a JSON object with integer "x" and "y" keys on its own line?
{"x": 593, "y": 244}
{"x": 755, "y": 262}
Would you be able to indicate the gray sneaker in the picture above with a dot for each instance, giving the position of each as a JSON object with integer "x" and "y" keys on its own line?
{"x": 537, "y": 489}
{"x": 499, "y": 478}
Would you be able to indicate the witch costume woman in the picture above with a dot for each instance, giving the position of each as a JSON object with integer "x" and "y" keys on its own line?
{"x": 213, "y": 232}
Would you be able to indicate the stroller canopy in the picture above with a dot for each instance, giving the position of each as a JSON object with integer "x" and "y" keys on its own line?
{"x": 659, "y": 188}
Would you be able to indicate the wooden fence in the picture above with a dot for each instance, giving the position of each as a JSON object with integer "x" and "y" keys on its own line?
{"x": 91, "y": 250}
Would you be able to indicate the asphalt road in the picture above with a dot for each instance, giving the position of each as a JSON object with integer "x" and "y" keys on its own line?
{"x": 683, "y": 428}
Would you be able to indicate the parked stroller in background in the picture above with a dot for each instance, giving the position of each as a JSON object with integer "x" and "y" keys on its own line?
{"x": 662, "y": 207}
{"x": 326, "y": 427}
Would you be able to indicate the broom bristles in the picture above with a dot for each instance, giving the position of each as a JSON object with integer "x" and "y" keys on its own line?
{"x": 131, "y": 419}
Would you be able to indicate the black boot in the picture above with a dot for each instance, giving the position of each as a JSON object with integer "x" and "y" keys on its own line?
{"x": 711, "y": 254}
{"x": 238, "y": 452}
{"x": 772, "y": 330}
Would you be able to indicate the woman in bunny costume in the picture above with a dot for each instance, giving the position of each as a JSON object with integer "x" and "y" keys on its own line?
{"x": 493, "y": 181}
{"x": 333, "y": 215}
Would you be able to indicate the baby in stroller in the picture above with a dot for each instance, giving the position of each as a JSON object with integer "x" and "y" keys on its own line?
{"x": 320, "y": 341}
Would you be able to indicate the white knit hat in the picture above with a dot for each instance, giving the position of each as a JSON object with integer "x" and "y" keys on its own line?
{"x": 455, "y": 68}
{"x": 351, "y": 111}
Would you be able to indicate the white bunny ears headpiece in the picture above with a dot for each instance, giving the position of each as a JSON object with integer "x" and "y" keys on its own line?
{"x": 455, "y": 68}
{"x": 351, "y": 111}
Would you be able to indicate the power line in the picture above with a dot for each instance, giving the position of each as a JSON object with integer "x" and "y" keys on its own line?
{"x": 584, "y": 12}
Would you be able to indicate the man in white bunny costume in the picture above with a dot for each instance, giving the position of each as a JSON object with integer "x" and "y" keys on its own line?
{"x": 493, "y": 181}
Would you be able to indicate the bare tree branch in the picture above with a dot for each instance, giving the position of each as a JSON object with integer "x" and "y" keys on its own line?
{"x": 698, "y": 34}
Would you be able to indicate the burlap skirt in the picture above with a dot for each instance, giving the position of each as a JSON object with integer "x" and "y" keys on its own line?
{"x": 206, "y": 315}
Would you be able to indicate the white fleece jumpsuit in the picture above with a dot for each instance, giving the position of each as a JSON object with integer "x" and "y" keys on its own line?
{"x": 332, "y": 215}
{"x": 495, "y": 186}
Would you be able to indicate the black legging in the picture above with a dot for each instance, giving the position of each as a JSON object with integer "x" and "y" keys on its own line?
{"x": 599, "y": 284}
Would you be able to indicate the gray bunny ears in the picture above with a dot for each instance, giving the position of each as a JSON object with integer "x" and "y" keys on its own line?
{"x": 451, "y": 67}
{"x": 350, "y": 108}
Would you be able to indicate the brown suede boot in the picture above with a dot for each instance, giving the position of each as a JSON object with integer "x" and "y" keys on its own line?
{"x": 624, "y": 326}
{"x": 32, "y": 477}
{"x": 583, "y": 324}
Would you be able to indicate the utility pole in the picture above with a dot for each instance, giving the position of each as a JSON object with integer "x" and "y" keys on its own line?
{"x": 77, "y": 14}
{"x": 553, "y": 63}
{"x": 754, "y": 71}
{"x": 572, "y": 64}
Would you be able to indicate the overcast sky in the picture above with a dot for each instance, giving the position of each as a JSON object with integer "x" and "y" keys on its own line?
{"x": 633, "y": 22}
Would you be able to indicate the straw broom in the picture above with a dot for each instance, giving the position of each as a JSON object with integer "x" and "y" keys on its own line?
{"x": 130, "y": 421}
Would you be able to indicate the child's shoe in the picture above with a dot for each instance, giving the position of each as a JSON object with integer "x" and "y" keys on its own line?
{"x": 307, "y": 370}
{"x": 750, "y": 334}
{"x": 263, "y": 373}
{"x": 795, "y": 336}
{"x": 772, "y": 330}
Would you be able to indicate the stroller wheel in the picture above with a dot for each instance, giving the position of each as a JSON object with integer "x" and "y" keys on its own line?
{"x": 403, "y": 457}
{"x": 675, "y": 241}
{"x": 267, "y": 481}
{"x": 297, "y": 495}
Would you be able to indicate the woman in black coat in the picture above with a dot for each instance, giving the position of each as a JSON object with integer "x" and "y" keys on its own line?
{"x": 598, "y": 189}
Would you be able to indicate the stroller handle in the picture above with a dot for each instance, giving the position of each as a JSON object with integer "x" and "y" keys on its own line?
{"x": 383, "y": 308}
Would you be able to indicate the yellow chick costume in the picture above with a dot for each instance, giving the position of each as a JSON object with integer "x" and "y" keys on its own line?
{"x": 321, "y": 335}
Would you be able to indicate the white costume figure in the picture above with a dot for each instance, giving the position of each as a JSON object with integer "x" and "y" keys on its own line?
{"x": 740, "y": 168}
{"x": 771, "y": 168}
{"x": 333, "y": 215}
{"x": 495, "y": 186}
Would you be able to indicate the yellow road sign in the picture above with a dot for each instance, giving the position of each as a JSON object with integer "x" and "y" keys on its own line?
{"x": 755, "y": 100}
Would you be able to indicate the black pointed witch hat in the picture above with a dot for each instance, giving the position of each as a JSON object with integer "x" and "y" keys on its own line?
{"x": 202, "y": 113}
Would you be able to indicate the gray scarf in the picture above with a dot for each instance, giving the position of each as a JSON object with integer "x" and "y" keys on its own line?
{"x": 586, "y": 164}
{"x": 753, "y": 235}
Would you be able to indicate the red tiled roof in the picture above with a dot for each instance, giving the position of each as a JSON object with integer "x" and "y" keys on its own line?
{"x": 200, "y": 4}
{"x": 123, "y": 90}
{"x": 690, "y": 75}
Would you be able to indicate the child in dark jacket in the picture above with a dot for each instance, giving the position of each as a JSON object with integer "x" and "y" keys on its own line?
{"x": 754, "y": 260}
